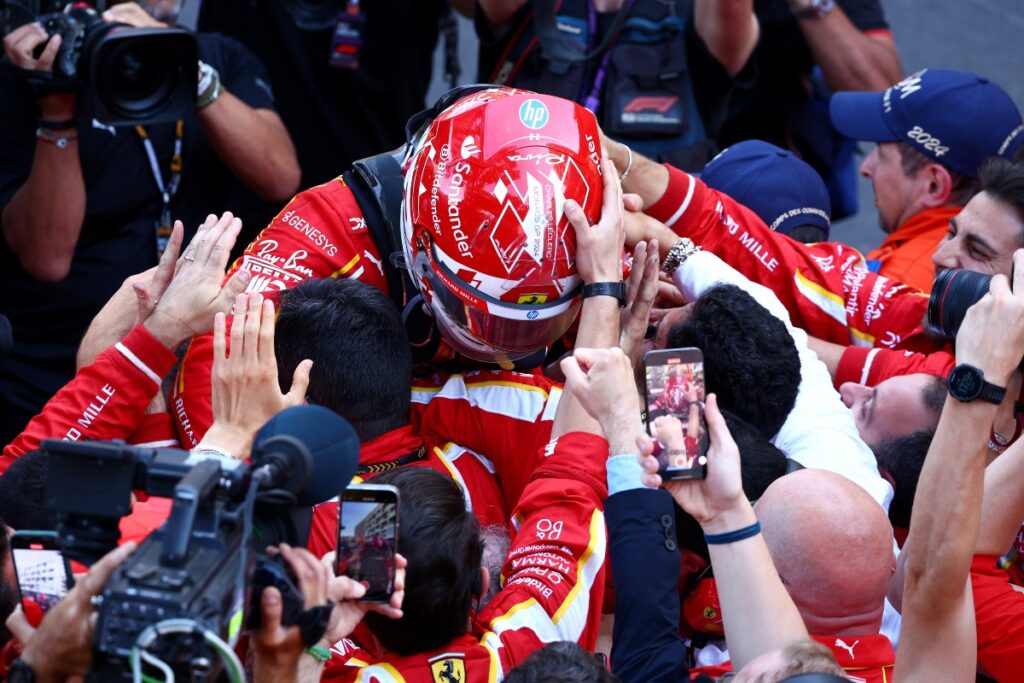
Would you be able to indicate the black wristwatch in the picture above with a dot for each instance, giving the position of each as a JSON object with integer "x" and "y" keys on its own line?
{"x": 967, "y": 383}
{"x": 615, "y": 289}
{"x": 20, "y": 672}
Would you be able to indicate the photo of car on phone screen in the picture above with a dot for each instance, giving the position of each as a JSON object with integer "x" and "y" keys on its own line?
{"x": 368, "y": 537}
{"x": 41, "y": 569}
{"x": 674, "y": 385}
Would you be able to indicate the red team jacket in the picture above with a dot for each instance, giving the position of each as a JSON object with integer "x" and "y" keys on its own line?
{"x": 824, "y": 286}
{"x": 320, "y": 233}
{"x": 551, "y": 579}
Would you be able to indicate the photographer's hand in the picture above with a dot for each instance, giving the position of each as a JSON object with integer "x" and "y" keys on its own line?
{"x": 345, "y": 594}
{"x": 131, "y": 13}
{"x": 196, "y": 293}
{"x": 641, "y": 288}
{"x": 62, "y": 645}
{"x": 246, "y": 392}
{"x": 991, "y": 336}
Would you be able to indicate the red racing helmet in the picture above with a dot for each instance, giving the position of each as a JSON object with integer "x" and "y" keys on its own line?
{"x": 484, "y": 232}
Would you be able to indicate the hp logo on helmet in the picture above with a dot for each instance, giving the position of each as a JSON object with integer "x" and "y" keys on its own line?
{"x": 533, "y": 114}
{"x": 532, "y": 315}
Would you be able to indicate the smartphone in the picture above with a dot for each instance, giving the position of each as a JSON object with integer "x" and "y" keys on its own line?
{"x": 43, "y": 573}
{"x": 674, "y": 385}
{"x": 367, "y": 538}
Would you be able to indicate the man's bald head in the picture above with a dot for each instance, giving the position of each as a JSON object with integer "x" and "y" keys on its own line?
{"x": 832, "y": 545}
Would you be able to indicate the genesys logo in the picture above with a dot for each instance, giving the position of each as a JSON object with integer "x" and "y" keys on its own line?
{"x": 533, "y": 114}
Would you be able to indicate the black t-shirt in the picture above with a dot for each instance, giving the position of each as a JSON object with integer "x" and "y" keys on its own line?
{"x": 710, "y": 86}
{"x": 118, "y": 236}
{"x": 337, "y": 115}
{"x": 783, "y": 62}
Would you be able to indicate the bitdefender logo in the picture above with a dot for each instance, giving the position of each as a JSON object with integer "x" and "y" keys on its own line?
{"x": 533, "y": 114}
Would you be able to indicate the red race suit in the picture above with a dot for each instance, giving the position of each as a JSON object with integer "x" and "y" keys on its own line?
{"x": 824, "y": 286}
{"x": 320, "y": 233}
{"x": 548, "y": 581}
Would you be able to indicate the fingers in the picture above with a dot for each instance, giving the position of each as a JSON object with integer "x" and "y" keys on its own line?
{"x": 717, "y": 429}
{"x": 221, "y": 249}
{"x": 578, "y": 219}
{"x": 300, "y": 383}
{"x": 266, "y": 350}
{"x": 270, "y": 610}
{"x": 232, "y": 288}
{"x": 19, "y": 627}
{"x": 1018, "y": 272}
{"x": 611, "y": 199}
{"x": 219, "y": 345}
{"x": 49, "y": 54}
{"x": 636, "y": 273}
{"x": 312, "y": 575}
{"x": 575, "y": 377}
{"x": 632, "y": 202}
{"x": 238, "y": 326}
{"x": 253, "y": 318}
{"x": 98, "y": 574}
{"x": 168, "y": 261}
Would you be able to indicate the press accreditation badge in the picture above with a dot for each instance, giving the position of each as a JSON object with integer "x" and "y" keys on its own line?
{"x": 347, "y": 41}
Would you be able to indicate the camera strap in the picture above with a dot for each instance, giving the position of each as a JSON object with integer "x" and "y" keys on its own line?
{"x": 165, "y": 222}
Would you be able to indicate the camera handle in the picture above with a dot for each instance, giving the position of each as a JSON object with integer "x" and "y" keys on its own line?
{"x": 190, "y": 495}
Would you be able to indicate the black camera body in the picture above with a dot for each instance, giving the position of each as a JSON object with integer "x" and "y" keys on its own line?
{"x": 128, "y": 75}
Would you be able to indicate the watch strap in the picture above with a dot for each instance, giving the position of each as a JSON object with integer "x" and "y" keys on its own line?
{"x": 20, "y": 672}
{"x": 613, "y": 289}
{"x": 992, "y": 393}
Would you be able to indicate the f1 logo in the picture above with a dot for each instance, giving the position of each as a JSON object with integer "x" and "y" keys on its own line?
{"x": 533, "y": 114}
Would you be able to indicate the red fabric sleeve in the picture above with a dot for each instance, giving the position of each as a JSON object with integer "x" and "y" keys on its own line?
{"x": 823, "y": 286}
{"x": 554, "y": 573}
{"x": 105, "y": 400}
{"x": 871, "y": 366}
{"x": 504, "y": 416}
{"x": 320, "y": 233}
{"x": 999, "y": 614}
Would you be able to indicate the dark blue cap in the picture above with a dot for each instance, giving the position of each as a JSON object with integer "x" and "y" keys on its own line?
{"x": 775, "y": 184}
{"x": 954, "y": 117}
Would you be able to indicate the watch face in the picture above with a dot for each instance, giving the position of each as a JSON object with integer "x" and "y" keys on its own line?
{"x": 965, "y": 383}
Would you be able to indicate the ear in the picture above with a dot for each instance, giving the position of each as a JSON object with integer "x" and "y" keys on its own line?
{"x": 485, "y": 582}
{"x": 938, "y": 186}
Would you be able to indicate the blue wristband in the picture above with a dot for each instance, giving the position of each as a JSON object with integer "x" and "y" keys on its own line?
{"x": 733, "y": 536}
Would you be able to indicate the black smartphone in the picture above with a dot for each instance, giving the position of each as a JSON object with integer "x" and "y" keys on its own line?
{"x": 368, "y": 537}
{"x": 674, "y": 385}
{"x": 43, "y": 573}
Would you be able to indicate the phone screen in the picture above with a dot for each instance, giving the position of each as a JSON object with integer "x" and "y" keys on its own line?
{"x": 675, "y": 386}
{"x": 42, "y": 575}
{"x": 367, "y": 537}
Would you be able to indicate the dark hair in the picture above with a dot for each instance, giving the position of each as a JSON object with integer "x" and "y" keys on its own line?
{"x": 8, "y": 593}
{"x": 22, "y": 492}
{"x": 761, "y": 463}
{"x": 1004, "y": 181}
{"x": 362, "y": 366}
{"x": 750, "y": 359}
{"x": 963, "y": 188}
{"x": 560, "y": 662}
{"x": 902, "y": 458}
{"x": 441, "y": 540}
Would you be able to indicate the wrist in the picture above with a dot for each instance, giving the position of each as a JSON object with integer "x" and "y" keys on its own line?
{"x": 166, "y": 331}
{"x": 39, "y": 663}
{"x": 735, "y": 515}
{"x": 621, "y": 433}
{"x": 232, "y": 439}
{"x": 57, "y": 106}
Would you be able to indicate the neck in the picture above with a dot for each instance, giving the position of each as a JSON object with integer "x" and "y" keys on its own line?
{"x": 845, "y": 625}
{"x": 607, "y": 5}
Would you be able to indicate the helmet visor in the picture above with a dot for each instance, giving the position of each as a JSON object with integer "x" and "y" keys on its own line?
{"x": 488, "y": 329}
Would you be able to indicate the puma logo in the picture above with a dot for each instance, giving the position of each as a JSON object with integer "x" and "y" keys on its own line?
{"x": 376, "y": 262}
{"x": 848, "y": 648}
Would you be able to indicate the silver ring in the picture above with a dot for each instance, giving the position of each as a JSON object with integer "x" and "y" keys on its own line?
{"x": 96, "y": 600}
{"x": 189, "y": 256}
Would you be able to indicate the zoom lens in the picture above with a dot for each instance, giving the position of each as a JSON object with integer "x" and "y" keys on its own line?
{"x": 954, "y": 291}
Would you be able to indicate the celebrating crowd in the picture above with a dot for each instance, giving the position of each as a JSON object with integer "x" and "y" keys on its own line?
{"x": 480, "y": 289}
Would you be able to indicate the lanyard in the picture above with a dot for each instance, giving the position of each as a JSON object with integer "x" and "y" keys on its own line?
{"x": 593, "y": 100}
{"x": 165, "y": 223}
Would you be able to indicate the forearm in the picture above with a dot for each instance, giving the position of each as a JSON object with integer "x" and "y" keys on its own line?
{"x": 757, "y": 612}
{"x": 946, "y": 512}
{"x": 729, "y": 29}
{"x": 828, "y": 353}
{"x": 254, "y": 144}
{"x": 599, "y": 329}
{"x": 646, "y": 178}
{"x": 850, "y": 59}
{"x": 1002, "y": 505}
{"x": 41, "y": 231}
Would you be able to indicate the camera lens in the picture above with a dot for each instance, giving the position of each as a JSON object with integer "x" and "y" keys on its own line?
{"x": 138, "y": 78}
{"x": 954, "y": 291}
